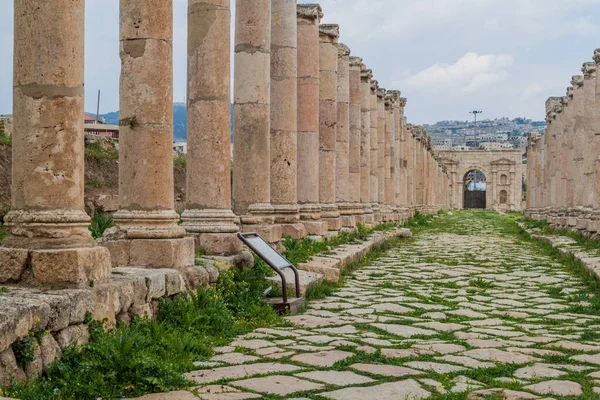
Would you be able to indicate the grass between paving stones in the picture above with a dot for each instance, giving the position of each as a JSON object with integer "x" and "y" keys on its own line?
{"x": 151, "y": 355}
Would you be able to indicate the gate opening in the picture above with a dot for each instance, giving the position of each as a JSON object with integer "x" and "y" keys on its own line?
{"x": 475, "y": 190}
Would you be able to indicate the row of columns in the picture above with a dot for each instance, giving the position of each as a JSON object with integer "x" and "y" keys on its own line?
{"x": 318, "y": 145}
{"x": 563, "y": 173}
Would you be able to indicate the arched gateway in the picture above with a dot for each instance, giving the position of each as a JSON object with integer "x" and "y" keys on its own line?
{"x": 485, "y": 179}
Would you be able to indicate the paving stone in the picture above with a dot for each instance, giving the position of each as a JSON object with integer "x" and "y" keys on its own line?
{"x": 538, "y": 371}
{"x": 505, "y": 394}
{"x": 500, "y": 356}
{"x": 252, "y": 344}
{"x": 561, "y": 388}
{"x": 221, "y": 392}
{"x": 408, "y": 389}
{"x": 338, "y": 378}
{"x": 440, "y": 326}
{"x": 435, "y": 367}
{"x": 587, "y": 358}
{"x": 278, "y": 384}
{"x": 238, "y": 372}
{"x": 404, "y": 330}
{"x": 323, "y": 358}
{"x": 390, "y": 307}
{"x": 466, "y": 361}
{"x": 442, "y": 348}
{"x": 405, "y": 353}
{"x": 179, "y": 395}
{"x": 234, "y": 358}
{"x": 385, "y": 370}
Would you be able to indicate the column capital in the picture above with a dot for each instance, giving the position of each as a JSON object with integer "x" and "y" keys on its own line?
{"x": 577, "y": 81}
{"x": 374, "y": 84}
{"x": 381, "y": 93}
{"x": 343, "y": 50}
{"x": 330, "y": 30}
{"x": 366, "y": 75}
{"x": 402, "y": 102}
{"x": 597, "y": 56}
{"x": 312, "y": 12}
{"x": 553, "y": 105}
{"x": 394, "y": 96}
{"x": 589, "y": 70}
{"x": 356, "y": 62}
{"x": 570, "y": 92}
{"x": 389, "y": 102}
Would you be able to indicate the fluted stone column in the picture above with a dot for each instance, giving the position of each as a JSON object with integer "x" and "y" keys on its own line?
{"x": 208, "y": 216}
{"x": 355, "y": 140}
{"x": 375, "y": 152}
{"x": 570, "y": 117}
{"x": 148, "y": 232}
{"x": 365, "y": 145}
{"x": 381, "y": 113}
{"x": 48, "y": 242}
{"x": 284, "y": 118}
{"x": 342, "y": 147}
{"x": 252, "y": 114}
{"x": 395, "y": 160}
{"x": 577, "y": 152}
{"x": 328, "y": 64}
{"x": 403, "y": 171}
{"x": 308, "y": 17}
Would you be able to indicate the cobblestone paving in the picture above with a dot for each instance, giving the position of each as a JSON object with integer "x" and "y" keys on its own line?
{"x": 467, "y": 310}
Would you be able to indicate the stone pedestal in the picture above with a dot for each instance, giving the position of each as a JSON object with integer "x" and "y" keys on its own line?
{"x": 284, "y": 99}
{"x": 48, "y": 242}
{"x": 328, "y": 66}
{"x": 146, "y": 205}
{"x": 308, "y": 17}
{"x": 208, "y": 217}
{"x": 252, "y": 114}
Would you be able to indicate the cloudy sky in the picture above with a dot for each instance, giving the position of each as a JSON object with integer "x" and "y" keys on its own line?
{"x": 504, "y": 57}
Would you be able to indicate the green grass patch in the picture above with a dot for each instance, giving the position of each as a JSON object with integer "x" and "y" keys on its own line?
{"x": 96, "y": 151}
{"x": 180, "y": 159}
{"x": 99, "y": 224}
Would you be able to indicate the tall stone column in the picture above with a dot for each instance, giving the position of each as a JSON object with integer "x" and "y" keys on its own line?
{"x": 284, "y": 117}
{"x": 365, "y": 145}
{"x": 395, "y": 160}
{"x": 328, "y": 64}
{"x": 381, "y": 113}
{"x": 388, "y": 144}
{"x": 355, "y": 140}
{"x": 596, "y": 132}
{"x": 576, "y": 213}
{"x": 308, "y": 17}
{"x": 252, "y": 115}
{"x": 48, "y": 242}
{"x": 208, "y": 216}
{"x": 342, "y": 147}
{"x": 403, "y": 171}
{"x": 375, "y": 152}
{"x": 588, "y": 153}
{"x": 148, "y": 233}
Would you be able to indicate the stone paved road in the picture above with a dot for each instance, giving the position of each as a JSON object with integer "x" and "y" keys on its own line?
{"x": 466, "y": 310}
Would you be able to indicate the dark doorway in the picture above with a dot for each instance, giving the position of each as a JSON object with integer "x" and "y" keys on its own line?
{"x": 475, "y": 190}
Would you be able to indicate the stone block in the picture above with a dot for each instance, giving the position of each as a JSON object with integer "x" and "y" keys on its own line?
{"x": 174, "y": 283}
{"x": 296, "y": 231}
{"x": 195, "y": 276}
{"x": 60, "y": 310}
{"x": 78, "y": 334}
{"x": 218, "y": 243}
{"x": 137, "y": 278}
{"x": 13, "y": 263}
{"x": 19, "y": 316}
{"x": 333, "y": 224}
{"x": 49, "y": 351}
{"x": 348, "y": 221}
{"x": 318, "y": 228}
{"x": 142, "y": 311}
{"x": 9, "y": 369}
{"x": 162, "y": 253}
{"x": 70, "y": 267}
{"x": 306, "y": 278}
{"x": 35, "y": 367}
{"x": 271, "y": 233}
{"x": 119, "y": 252}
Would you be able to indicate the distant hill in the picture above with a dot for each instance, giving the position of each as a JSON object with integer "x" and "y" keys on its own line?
{"x": 179, "y": 120}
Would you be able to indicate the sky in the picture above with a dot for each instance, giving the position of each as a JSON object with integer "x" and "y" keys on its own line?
{"x": 504, "y": 57}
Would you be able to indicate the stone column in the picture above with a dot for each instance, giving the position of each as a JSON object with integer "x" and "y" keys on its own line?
{"x": 381, "y": 112}
{"x": 147, "y": 233}
{"x": 395, "y": 160}
{"x": 588, "y": 153}
{"x": 342, "y": 147}
{"x": 577, "y": 153}
{"x": 308, "y": 17}
{"x": 48, "y": 242}
{"x": 284, "y": 124}
{"x": 208, "y": 216}
{"x": 403, "y": 171}
{"x": 365, "y": 145}
{"x": 252, "y": 114}
{"x": 387, "y": 166}
{"x": 328, "y": 64}
{"x": 355, "y": 139}
{"x": 375, "y": 152}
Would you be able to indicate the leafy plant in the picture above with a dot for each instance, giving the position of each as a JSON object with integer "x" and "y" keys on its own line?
{"x": 96, "y": 151}
{"x": 96, "y": 183}
{"x": 99, "y": 224}
{"x": 180, "y": 159}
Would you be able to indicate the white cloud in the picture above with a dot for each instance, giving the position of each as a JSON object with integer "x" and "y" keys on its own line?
{"x": 471, "y": 73}
{"x": 532, "y": 90}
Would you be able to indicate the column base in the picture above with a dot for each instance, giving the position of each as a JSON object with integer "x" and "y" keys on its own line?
{"x": 348, "y": 221}
{"x": 152, "y": 253}
{"x": 333, "y": 224}
{"x": 369, "y": 219}
{"x": 57, "y": 268}
{"x": 214, "y": 230}
{"x": 316, "y": 228}
{"x": 270, "y": 232}
{"x": 217, "y": 244}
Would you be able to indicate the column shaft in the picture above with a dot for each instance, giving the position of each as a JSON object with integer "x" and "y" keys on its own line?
{"x": 365, "y": 145}
{"x": 355, "y": 139}
{"x": 381, "y": 113}
{"x": 375, "y": 152}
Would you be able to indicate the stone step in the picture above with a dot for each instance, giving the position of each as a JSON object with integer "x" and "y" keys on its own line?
{"x": 307, "y": 279}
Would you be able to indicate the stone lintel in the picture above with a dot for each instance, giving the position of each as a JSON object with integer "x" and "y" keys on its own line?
{"x": 309, "y": 11}
{"x": 331, "y": 30}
